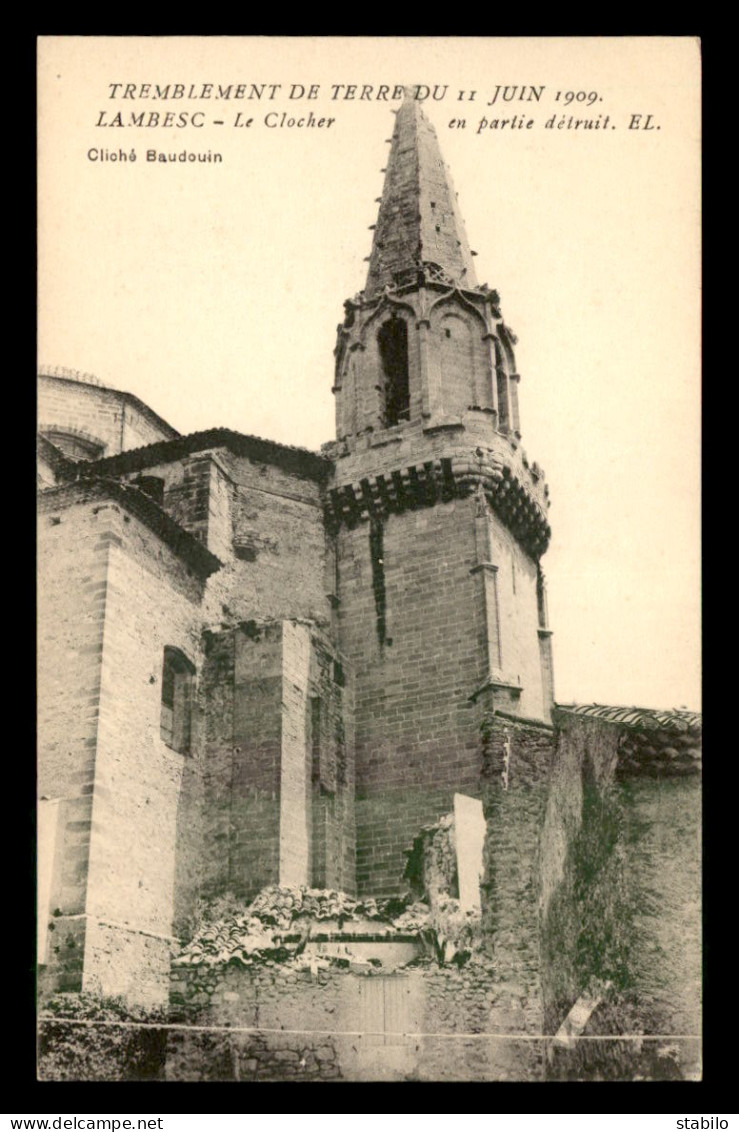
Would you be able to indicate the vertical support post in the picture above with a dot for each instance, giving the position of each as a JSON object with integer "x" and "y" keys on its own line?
{"x": 513, "y": 382}
{"x": 489, "y": 574}
{"x": 433, "y": 381}
{"x": 492, "y": 383}
{"x": 545, "y": 645}
{"x": 295, "y": 757}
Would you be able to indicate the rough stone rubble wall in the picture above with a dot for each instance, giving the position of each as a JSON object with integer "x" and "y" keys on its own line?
{"x": 516, "y": 766}
{"x": 424, "y": 1023}
{"x": 620, "y": 907}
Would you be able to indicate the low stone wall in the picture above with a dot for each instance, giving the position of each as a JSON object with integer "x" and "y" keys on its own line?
{"x": 620, "y": 903}
{"x": 275, "y": 1023}
{"x": 421, "y": 1022}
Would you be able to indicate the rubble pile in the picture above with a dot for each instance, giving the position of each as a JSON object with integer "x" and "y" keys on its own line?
{"x": 276, "y": 925}
{"x": 281, "y": 919}
{"x": 280, "y": 906}
{"x": 240, "y": 937}
{"x": 455, "y": 931}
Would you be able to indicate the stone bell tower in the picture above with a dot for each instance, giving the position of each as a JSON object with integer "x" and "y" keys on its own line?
{"x": 440, "y": 520}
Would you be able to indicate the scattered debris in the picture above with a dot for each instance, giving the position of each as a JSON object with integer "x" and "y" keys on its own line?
{"x": 279, "y": 922}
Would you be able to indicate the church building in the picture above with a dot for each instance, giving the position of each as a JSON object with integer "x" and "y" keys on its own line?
{"x": 265, "y": 669}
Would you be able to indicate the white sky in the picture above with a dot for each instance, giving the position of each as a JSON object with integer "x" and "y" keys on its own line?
{"x": 213, "y": 292}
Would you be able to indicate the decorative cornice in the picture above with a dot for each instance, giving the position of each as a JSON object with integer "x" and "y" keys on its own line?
{"x": 440, "y": 481}
{"x": 498, "y": 682}
{"x": 484, "y": 568}
{"x": 457, "y": 293}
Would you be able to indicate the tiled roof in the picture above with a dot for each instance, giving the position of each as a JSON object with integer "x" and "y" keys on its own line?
{"x": 300, "y": 461}
{"x": 641, "y": 719}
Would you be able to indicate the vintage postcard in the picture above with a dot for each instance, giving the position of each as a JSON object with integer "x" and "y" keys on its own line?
{"x": 369, "y": 663}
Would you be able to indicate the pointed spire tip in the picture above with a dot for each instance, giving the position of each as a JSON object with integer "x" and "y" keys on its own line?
{"x": 413, "y": 228}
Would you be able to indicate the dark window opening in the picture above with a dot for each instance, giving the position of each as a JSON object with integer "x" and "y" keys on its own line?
{"x": 153, "y": 486}
{"x": 392, "y": 340}
{"x": 378, "y": 576}
{"x": 504, "y": 415}
{"x": 175, "y": 726}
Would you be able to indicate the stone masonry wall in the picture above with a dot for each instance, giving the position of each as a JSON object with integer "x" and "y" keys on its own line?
{"x": 277, "y": 1024}
{"x": 117, "y": 596}
{"x": 152, "y": 601}
{"x": 410, "y": 625}
{"x": 279, "y": 763}
{"x": 73, "y": 547}
{"x": 255, "y": 783}
{"x": 216, "y": 710}
{"x": 620, "y": 906}
{"x": 264, "y": 523}
{"x": 422, "y": 1023}
{"x": 102, "y": 414}
{"x": 279, "y": 542}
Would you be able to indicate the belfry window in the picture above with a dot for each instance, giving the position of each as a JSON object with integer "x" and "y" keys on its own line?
{"x": 175, "y": 726}
{"x": 504, "y": 413}
{"x": 392, "y": 340}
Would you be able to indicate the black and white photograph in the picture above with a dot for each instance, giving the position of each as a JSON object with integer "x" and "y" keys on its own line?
{"x": 369, "y": 669}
